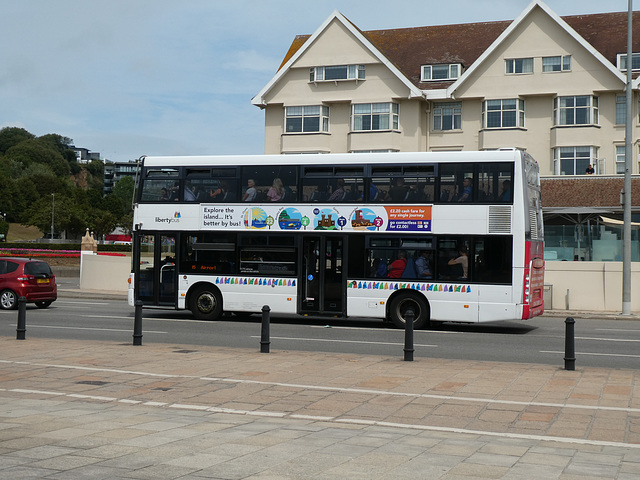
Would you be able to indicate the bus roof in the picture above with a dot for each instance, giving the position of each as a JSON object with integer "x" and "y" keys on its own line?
{"x": 501, "y": 155}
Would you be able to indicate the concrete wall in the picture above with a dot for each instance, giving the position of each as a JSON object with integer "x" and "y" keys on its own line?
{"x": 589, "y": 286}
{"x": 104, "y": 272}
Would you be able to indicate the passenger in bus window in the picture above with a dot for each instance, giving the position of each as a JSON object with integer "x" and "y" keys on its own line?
{"x": 398, "y": 191}
{"x": 251, "y": 192}
{"x": 219, "y": 194}
{"x": 467, "y": 190}
{"x": 164, "y": 195}
{"x": 462, "y": 260}
{"x": 505, "y": 196}
{"x": 320, "y": 194}
{"x": 189, "y": 194}
{"x": 374, "y": 193}
{"x": 396, "y": 269}
{"x": 276, "y": 191}
{"x": 354, "y": 194}
{"x": 173, "y": 191}
{"x": 423, "y": 265}
{"x": 339, "y": 193}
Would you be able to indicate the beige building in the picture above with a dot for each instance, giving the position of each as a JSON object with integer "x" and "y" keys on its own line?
{"x": 553, "y": 86}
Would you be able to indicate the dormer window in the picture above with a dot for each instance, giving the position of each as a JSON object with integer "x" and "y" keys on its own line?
{"x": 622, "y": 62}
{"x": 561, "y": 63}
{"x": 435, "y": 73}
{"x": 336, "y": 72}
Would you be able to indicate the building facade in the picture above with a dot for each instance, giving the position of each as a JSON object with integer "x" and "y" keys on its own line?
{"x": 115, "y": 171}
{"x": 553, "y": 86}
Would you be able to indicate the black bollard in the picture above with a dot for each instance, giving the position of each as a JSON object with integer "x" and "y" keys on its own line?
{"x": 21, "y": 329}
{"x": 569, "y": 345}
{"x": 264, "y": 334}
{"x": 409, "y": 317}
{"x": 137, "y": 323}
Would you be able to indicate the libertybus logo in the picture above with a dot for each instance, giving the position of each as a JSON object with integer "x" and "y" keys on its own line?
{"x": 169, "y": 220}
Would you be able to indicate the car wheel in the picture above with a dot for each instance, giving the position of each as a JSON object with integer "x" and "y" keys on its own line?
{"x": 206, "y": 303}
{"x": 401, "y": 304}
{"x": 8, "y": 300}
{"x": 43, "y": 304}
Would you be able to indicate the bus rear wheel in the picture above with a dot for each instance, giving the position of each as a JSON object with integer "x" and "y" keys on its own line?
{"x": 205, "y": 303}
{"x": 401, "y": 304}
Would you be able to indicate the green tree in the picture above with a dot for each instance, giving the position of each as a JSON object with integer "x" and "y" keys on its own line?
{"x": 126, "y": 223}
{"x": 26, "y": 195}
{"x": 68, "y": 216}
{"x": 28, "y": 152}
{"x": 4, "y": 228}
{"x": 11, "y": 136}
{"x": 123, "y": 193}
{"x": 102, "y": 222}
{"x": 8, "y": 196}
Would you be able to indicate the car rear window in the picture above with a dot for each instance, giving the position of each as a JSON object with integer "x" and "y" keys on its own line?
{"x": 37, "y": 268}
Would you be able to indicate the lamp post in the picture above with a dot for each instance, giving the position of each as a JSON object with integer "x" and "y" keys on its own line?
{"x": 626, "y": 233}
{"x": 53, "y": 204}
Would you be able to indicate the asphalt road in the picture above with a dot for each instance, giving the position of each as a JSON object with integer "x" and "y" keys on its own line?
{"x": 598, "y": 342}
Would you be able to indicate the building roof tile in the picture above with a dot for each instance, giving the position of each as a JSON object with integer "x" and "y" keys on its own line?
{"x": 410, "y": 48}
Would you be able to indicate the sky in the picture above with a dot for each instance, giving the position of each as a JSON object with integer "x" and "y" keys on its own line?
{"x": 176, "y": 77}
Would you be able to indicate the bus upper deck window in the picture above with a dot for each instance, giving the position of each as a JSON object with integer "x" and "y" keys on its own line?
{"x": 160, "y": 185}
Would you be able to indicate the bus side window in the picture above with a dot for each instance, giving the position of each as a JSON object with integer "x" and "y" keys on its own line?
{"x": 493, "y": 260}
{"x": 457, "y": 183}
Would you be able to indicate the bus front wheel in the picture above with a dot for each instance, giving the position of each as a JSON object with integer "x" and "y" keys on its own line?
{"x": 205, "y": 303}
{"x": 401, "y": 304}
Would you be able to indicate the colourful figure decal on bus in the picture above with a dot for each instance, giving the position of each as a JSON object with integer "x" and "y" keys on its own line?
{"x": 325, "y": 219}
{"x": 290, "y": 219}
{"x": 255, "y": 217}
{"x": 363, "y": 219}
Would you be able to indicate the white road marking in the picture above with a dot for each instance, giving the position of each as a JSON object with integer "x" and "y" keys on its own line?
{"x": 594, "y": 354}
{"x": 60, "y": 327}
{"x": 598, "y": 339}
{"x": 341, "y": 341}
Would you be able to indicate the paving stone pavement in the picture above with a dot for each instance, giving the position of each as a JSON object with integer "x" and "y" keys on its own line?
{"x": 73, "y": 410}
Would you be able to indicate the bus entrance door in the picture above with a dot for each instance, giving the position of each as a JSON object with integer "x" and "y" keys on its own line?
{"x": 321, "y": 288}
{"x": 157, "y": 270}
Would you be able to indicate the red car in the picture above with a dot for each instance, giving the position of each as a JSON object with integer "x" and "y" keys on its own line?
{"x": 22, "y": 277}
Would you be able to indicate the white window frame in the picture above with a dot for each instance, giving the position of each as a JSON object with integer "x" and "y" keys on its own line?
{"x": 622, "y": 61}
{"x": 518, "y": 66}
{"x": 375, "y": 113}
{"x": 556, "y": 64}
{"x": 504, "y": 108}
{"x": 451, "y": 70}
{"x": 621, "y": 161}
{"x": 575, "y": 154}
{"x": 381, "y": 150}
{"x": 442, "y": 110}
{"x": 307, "y": 115}
{"x": 621, "y": 109}
{"x": 352, "y": 72}
{"x": 570, "y": 107}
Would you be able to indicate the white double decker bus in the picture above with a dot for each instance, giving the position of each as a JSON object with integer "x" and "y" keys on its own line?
{"x": 455, "y": 236}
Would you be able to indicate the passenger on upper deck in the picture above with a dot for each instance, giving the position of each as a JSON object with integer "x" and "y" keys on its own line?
{"x": 505, "y": 196}
{"x": 339, "y": 193}
{"x": 276, "y": 191}
{"x": 251, "y": 192}
{"x": 467, "y": 190}
{"x": 220, "y": 193}
{"x": 398, "y": 191}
